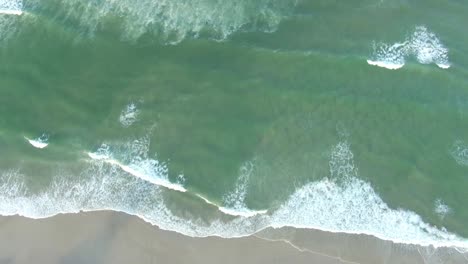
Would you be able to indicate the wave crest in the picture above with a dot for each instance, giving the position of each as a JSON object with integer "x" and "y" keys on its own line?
{"x": 348, "y": 205}
{"x": 423, "y": 45}
{"x": 174, "y": 20}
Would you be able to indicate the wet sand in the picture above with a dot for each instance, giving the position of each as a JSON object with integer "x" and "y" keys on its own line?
{"x": 111, "y": 237}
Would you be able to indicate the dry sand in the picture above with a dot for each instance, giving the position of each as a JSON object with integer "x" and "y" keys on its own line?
{"x": 111, "y": 237}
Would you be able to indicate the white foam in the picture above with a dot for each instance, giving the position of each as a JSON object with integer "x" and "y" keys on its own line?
{"x": 235, "y": 201}
{"x": 441, "y": 209}
{"x": 356, "y": 208}
{"x": 341, "y": 162}
{"x": 141, "y": 172}
{"x": 386, "y": 64}
{"x": 11, "y": 7}
{"x": 424, "y": 45}
{"x": 150, "y": 170}
{"x": 243, "y": 212}
{"x": 444, "y": 66}
{"x": 156, "y": 172}
{"x": 11, "y": 12}
{"x": 341, "y": 203}
{"x": 40, "y": 142}
{"x": 459, "y": 152}
{"x": 427, "y": 48}
{"x": 389, "y": 56}
{"x": 350, "y": 205}
{"x": 129, "y": 115}
{"x": 174, "y": 20}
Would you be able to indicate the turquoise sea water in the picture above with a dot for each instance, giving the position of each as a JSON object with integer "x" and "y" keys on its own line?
{"x": 213, "y": 117}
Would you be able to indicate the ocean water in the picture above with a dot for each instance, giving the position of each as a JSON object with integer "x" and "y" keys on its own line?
{"x": 216, "y": 117}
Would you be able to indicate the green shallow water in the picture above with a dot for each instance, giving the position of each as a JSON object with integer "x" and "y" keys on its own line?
{"x": 279, "y": 95}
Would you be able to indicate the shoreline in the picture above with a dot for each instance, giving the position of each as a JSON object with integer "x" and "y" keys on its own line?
{"x": 116, "y": 237}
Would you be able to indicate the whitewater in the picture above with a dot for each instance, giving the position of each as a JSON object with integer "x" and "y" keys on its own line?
{"x": 340, "y": 202}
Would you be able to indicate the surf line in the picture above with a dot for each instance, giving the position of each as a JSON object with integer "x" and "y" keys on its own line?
{"x": 137, "y": 173}
{"x": 165, "y": 183}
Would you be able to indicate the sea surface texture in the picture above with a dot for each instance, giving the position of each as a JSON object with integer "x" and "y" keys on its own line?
{"x": 226, "y": 117}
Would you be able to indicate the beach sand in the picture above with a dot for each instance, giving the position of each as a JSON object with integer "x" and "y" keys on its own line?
{"x": 112, "y": 237}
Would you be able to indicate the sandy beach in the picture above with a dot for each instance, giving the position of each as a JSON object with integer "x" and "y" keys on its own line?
{"x": 111, "y": 237}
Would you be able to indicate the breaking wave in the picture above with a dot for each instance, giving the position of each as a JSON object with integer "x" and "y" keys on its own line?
{"x": 137, "y": 163}
{"x": 174, "y": 20}
{"x": 11, "y": 7}
{"x": 40, "y": 142}
{"x": 423, "y": 45}
{"x": 339, "y": 203}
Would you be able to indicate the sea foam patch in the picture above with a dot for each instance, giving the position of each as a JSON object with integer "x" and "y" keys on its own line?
{"x": 341, "y": 162}
{"x": 40, "y": 142}
{"x": 441, "y": 208}
{"x": 10, "y": 11}
{"x": 459, "y": 152}
{"x": 129, "y": 115}
{"x": 11, "y": 7}
{"x": 422, "y": 44}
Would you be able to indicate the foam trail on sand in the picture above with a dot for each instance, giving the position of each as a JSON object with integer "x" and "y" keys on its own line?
{"x": 423, "y": 45}
{"x": 40, "y": 142}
